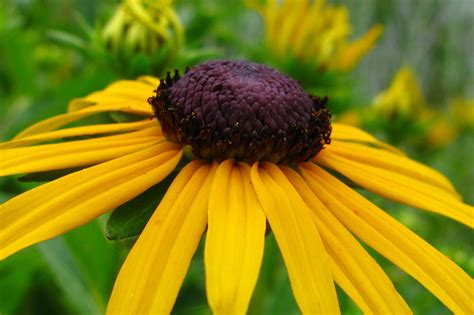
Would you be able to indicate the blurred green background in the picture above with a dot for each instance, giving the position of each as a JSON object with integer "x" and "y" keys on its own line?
{"x": 51, "y": 52}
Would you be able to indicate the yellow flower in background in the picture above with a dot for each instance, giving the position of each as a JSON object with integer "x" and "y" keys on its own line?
{"x": 143, "y": 26}
{"x": 257, "y": 149}
{"x": 462, "y": 112}
{"x": 448, "y": 124}
{"x": 441, "y": 132}
{"x": 403, "y": 97}
{"x": 314, "y": 33}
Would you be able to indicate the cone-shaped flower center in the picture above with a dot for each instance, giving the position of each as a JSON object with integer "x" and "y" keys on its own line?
{"x": 242, "y": 110}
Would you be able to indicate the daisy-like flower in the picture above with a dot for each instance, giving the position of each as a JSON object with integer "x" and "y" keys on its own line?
{"x": 314, "y": 33}
{"x": 259, "y": 149}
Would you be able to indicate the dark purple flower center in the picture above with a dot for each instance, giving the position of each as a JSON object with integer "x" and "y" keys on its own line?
{"x": 242, "y": 110}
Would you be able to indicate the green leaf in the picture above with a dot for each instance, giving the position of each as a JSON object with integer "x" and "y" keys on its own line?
{"x": 67, "y": 39}
{"x": 17, "y": 277}
{"x": 129, "y": 220}
{"x": 70, "y": 277}
{"x": 49, "y": 175}
{"x": 97, "y": 257}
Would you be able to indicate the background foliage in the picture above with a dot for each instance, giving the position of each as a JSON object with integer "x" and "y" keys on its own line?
{"x": 50, "y": 53}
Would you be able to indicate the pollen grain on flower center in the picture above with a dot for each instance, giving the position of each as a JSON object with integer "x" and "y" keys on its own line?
{"x": 242, "y": 110}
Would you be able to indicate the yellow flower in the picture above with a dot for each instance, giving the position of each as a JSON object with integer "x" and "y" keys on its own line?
{"x": 314, "y": 33}
{"x": 258, "y": 150}
{"x": 143, "y": 26}
{"x": 462, "y": 112}
{"x": 403, "y": 98}
{"x": 447, "y": 125}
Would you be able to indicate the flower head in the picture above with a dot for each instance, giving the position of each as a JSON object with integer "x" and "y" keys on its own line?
{"x": 143, "y": 26}
{"x": 242, "y": 110}
{"x": 314, "y": 33}
{"x": 230, "y": 195}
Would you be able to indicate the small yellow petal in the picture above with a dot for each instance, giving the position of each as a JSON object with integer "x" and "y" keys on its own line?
{"x": 303, "y": 252}
{"x": 449, "y": 283}
{"x": 124, "y": 91}
{"x": 349, "y": 57}
{"x": 309, "y": 25}
{"x": 64, "y": 119}
{"x": 353, "y": 268}
{"x": 58, "y": 206}
{"x": 235, "y": 238}
{"x": 98, "y": 129}
{"x": 151, "y": 276}
{"x": 101, "y": 99}
{"x": 291, "y": 12}
{"x": 399, "y": 187}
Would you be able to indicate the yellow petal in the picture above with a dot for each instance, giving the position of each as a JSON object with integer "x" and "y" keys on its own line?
{"x": 449, "y": 283}
{"x": 234, "y": 241}
{"x": 139, "y": 87}
{"x": 392, "y": 162}
{"x": 98, "y": 129}
{"x": 106, "y": 99}
{"x": 344, "y": 132}
{"x": 353, "y": 268}
{"x": 58, "y": 206}
{"x": 153, "y": 81}
{"x": 75, "y": 153}
{"x": 399, "y": 187}
{"x": 357, "y": 49}
{"x": 309, "y": 25}
{"x": 303, "y": 252}
{"x": 64, "y": 119}
{"x": 151, "y": 276}
{"x": 270, "y": 19}
{"x": 100, "y": 99}
{"x": 125, "y": 91}
{"x": 293, "y": 12}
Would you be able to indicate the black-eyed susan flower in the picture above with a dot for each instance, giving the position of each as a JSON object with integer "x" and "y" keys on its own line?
{"x": 259, "y": 150}
{"x": 314, "y": 33}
